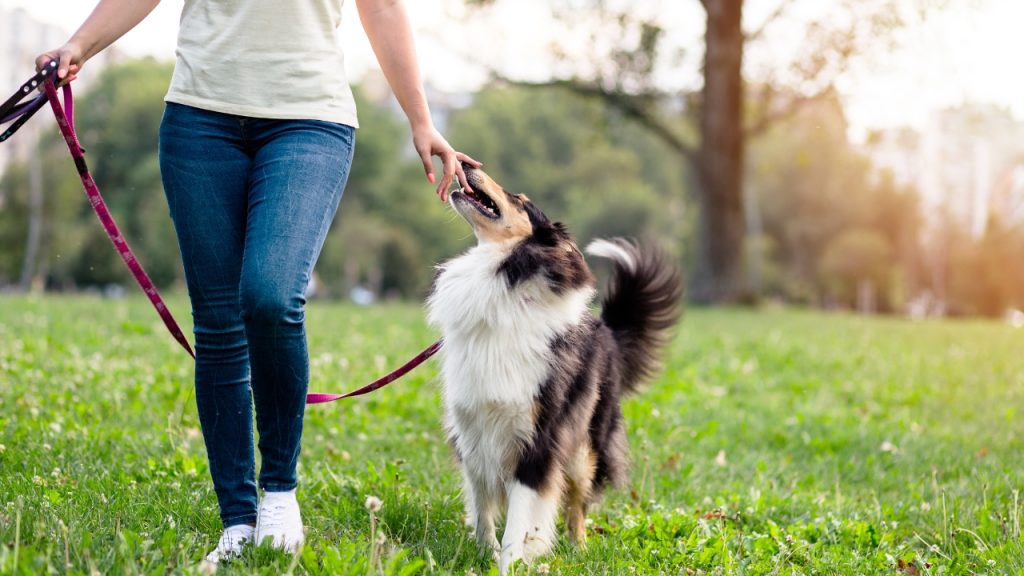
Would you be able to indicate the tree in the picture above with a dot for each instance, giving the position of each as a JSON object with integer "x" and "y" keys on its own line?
{"x": 626, "y": 76}
{"x": 819, "y": 198}
{"x": 856, "y": 261}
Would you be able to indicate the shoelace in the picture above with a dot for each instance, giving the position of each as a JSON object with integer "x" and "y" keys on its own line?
{"x": 273, "y": 516}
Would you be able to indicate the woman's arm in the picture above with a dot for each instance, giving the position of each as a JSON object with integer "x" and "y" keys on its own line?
{"x": 390, "y": 34}
{"x": 110, "y": 20}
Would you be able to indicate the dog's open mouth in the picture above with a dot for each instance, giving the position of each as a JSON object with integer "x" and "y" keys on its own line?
{"x": 481, "y": 201}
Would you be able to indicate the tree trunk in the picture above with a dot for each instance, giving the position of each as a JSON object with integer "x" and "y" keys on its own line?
{"x": 720, "y": 157}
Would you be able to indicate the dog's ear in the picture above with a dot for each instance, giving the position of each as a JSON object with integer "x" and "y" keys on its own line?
{"x": 545, "y": 232}
{"x": 537, "y": 218}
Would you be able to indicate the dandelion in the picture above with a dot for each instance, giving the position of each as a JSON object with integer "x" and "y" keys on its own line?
{"x": 377, "y": 541}
{"x": 720, "y": 458}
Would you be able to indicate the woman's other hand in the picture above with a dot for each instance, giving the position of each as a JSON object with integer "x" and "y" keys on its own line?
{"x": 429, "y": 143}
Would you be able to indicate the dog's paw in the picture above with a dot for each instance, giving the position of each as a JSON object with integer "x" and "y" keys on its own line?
{"x": 536, "y": 545}
{"x": 509, "y": 556}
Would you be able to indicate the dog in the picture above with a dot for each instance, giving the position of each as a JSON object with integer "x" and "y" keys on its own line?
{"x": 532, "y": 381}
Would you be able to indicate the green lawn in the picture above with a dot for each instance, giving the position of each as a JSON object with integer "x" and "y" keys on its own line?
{"x": 775, "y": 443}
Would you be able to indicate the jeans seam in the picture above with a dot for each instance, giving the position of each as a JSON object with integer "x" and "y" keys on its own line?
{"x": 249, "y": 518}
{"x": 278, "y": 487}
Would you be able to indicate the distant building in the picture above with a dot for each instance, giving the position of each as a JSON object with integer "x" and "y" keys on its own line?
{"x": 968, "y": 162}
{"x": 22, "y": 38}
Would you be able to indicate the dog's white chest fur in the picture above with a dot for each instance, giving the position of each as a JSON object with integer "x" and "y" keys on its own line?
{"x": 496, "y": 352}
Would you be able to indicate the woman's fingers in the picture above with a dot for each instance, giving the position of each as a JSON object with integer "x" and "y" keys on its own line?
{"x": 465, "y": 158}
{"x": 64, "y": 64}
{"x": 428, "y": 163}
{"x": 451, "y": 166}
{"x": 43, "y": 59}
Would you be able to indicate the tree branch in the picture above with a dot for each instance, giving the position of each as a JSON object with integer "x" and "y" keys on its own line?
{"x": 630, "y": 105}
{"x": 784, "y": 112}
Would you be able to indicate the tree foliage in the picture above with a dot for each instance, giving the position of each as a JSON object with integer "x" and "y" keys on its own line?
{"x": 823, "y": 222}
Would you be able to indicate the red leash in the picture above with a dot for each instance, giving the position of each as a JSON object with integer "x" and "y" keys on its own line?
{"x": 321, "y": 397}
{"x": 66, "y": 120}
{"x": 11, "y": 110}
{"x": 16, "y": 112}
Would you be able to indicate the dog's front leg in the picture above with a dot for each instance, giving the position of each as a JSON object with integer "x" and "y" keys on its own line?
{"x": 481, "y": 506}
{"x": 530, "y": 525}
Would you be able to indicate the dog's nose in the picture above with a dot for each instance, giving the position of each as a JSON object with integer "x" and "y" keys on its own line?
{"x": 466, "y": 167}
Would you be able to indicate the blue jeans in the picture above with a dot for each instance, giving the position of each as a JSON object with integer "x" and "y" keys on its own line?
{"x": 252, "y": 200}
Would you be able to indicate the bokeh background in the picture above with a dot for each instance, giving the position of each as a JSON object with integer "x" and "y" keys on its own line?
{"x": 864, "y": 155}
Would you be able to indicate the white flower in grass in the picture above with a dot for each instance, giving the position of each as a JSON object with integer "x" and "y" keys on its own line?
{"x": 543, "y": 569}
{"x": 3, "y": 448}
{"x": 720, "y": 458}
{"x": 888, "y": 447}
{"x": 373, "y": 503}
{"x": 207, "y": 568}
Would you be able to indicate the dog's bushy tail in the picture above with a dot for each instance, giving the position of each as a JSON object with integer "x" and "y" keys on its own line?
{"x": 643, "y": 302}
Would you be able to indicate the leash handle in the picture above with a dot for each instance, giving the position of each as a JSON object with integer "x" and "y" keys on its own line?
{"x": 322, "y": 397}
{"x": 66, "y": 121}
{"x": 20, "y": 113}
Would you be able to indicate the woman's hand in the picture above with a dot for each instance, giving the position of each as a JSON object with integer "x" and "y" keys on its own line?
{"x": 108, "y": 22}
{"x": 429, "y": 143}
{"x": 69, "y": 57}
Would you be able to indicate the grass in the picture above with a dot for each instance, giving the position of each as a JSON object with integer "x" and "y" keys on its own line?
{"x": 775, "y": 443}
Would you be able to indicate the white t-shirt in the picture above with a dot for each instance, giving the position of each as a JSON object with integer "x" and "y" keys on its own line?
{"x": 263, "y": 59}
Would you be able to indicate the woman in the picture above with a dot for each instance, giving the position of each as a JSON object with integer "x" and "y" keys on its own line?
{"x": 255, "y": 148}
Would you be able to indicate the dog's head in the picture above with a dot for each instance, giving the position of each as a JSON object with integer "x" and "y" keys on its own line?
{"x": 496, "y": 215}
{"x": 539, "y": 245}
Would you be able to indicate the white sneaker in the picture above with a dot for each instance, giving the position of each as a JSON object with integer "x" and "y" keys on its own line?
{"x": 230, "y": 544}
{"x": 279, "y": 519}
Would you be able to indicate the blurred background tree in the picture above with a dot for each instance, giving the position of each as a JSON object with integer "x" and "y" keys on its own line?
{"x": 717, "y": 120}
{"x": 604, "y": 143}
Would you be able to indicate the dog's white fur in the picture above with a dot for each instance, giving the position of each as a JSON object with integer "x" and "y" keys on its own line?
{"x": 489, "y": 394}
{"x": 612, "y": 251}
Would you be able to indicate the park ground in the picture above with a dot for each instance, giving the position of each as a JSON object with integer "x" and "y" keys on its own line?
{"x": 775, "y": 442}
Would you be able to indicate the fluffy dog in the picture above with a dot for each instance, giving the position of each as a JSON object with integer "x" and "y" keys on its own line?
{"x": 532, "y": 381}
